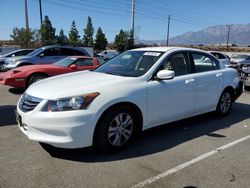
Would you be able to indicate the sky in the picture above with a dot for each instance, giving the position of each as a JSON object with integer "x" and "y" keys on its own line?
{"x": 151, "y": 16}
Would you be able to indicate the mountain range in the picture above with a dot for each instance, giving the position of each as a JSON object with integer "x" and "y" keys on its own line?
{"x": 239, "y": 35}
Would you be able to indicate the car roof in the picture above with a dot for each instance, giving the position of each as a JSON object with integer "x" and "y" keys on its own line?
{"x": 79, "y": 56}
{"x": 57, "y": 46}
{"x": 217, "y": 52}
{"x": 165, "y": 49}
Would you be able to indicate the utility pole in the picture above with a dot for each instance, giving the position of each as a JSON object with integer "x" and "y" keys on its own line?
{"x": 133, "y": 17}
{"x": 26, "y": 23}
{"x": 26, "y": 15}
{"x": 168, "y": 30}
{"x": 228, "y": 34}
{"x": 41, "y": 14}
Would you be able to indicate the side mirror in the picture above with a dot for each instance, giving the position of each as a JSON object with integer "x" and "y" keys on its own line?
{"x": 73, "y": 67}
{"x": 165, "y": 75}
{"x": 41, "y": 55}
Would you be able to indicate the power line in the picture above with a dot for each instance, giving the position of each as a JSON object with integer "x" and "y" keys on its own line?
{"x": 161, "y": 12}
{"x": 67, "y": 4}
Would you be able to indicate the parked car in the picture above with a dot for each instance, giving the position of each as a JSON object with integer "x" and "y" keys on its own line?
{"x": 223, "y": 58}
{"x": 246, "y": 74}
{"x": 15, "y": 53}
{"x": 44, "y": 55}
{"x": 22, "y": 77}
{"x": 108, "y": 54}
{"x": 241, "y": 59}
{"x": 137, "y": 90}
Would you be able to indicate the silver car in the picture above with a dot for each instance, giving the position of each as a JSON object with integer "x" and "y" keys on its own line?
{"x": 44, "y": 55}
{"x": 15, "y": 53}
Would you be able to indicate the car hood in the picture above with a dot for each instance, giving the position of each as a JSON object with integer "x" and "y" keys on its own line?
{"x": 73, "y": 84}
{"x": 18, "y": 58}
{"x": 36, "y": 67}
{"x": 237, "y": 59}
{"x": 247, "y": 62}
{"x": 2, "y": 58}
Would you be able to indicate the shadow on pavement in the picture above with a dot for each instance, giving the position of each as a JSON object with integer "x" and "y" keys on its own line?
{"x": 16, "y": 91}
{"x": 7, "y": 115}
{"x": 160, "y": 138}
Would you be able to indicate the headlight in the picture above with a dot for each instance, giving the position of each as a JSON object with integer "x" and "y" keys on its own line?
{"x": 15, "y": 71}
{"x": 10, "y": 61}
{"x": 70, "y": 103}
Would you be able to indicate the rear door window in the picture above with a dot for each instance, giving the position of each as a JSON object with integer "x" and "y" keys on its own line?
{"x": 51, "y": 52}
{"x": 203, "y": 62}
{"x": 77, "y": 52}
{"x": 67, "y": 52}
{"x": 218, "y": 55}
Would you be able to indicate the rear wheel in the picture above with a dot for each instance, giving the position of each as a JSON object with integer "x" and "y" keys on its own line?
{"x": 116, "y": 129}
{"x": 247, "y": 88}
{"x": 225, "y": 103}
{"x": 1, "y": 66}
{"x": 35, "y": 78}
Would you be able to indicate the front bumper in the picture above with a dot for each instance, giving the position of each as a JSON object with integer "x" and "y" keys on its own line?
{"x": 9, "y": 66}
{"x": 7, "y": 79}
{"x": 71, "y": 129}
{"x": 239, "y": 89}
{"x": 247, "y": 81}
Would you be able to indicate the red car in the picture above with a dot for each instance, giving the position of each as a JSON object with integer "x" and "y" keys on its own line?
{"x": 22, "y": 77}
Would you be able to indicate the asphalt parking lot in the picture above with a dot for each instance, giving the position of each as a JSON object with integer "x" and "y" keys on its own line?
{"x": 204, "y": 151}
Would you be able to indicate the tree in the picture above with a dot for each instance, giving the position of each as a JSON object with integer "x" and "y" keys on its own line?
{"x": 23, "y": 37}
{"x": 121, "y": 41}
{"x": 100, "y": 40}
{"x": 88, "y": 34}
{"x": 61, "y": 38}
{"x": 74, "y": 38}
{"x": 47, "y": 32}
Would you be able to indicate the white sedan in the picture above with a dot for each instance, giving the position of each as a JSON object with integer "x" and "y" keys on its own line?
{"x": 134, "y": 91}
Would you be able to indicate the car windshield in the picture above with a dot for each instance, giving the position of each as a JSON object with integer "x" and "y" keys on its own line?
{"x": 35, "y": 52}
{"x": 8, "y": 54}
{"x": 65, "y": 62}
{"x": 130, "y": 63}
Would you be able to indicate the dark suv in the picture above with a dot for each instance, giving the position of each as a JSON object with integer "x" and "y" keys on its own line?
{"x": 44, "y": 55}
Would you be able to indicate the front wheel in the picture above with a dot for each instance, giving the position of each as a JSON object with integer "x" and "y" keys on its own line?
{"x": 35, "y": 78}
{"x": 225, "y": 103}
{"x": 116, "y": 129}
{"x": 1, "y": 66}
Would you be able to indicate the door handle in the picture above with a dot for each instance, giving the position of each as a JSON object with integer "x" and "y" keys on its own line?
{"x": 189, "y": 81}
{"x": 219, "y": 74}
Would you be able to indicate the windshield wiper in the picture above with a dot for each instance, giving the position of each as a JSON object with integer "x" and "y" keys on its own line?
{"x": 112, "y": 73}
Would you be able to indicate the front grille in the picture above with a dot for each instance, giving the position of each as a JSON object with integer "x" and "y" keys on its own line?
{"x": 28, "y": 103}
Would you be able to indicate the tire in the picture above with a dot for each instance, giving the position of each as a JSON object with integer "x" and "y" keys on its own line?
{"x": 116, "y": 129}
{"x": 247, "y": 88}
{"x": 35, "y": 78}
{"x": 225, "y": 103}
{"x": 1, "y": 66}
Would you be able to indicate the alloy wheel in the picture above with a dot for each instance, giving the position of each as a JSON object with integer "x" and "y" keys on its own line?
{"x": 225, "y": 102}
{"x": 120, "y": 129}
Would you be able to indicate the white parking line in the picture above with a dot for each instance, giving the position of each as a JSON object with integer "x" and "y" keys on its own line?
{"x": 186, "y": 164}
